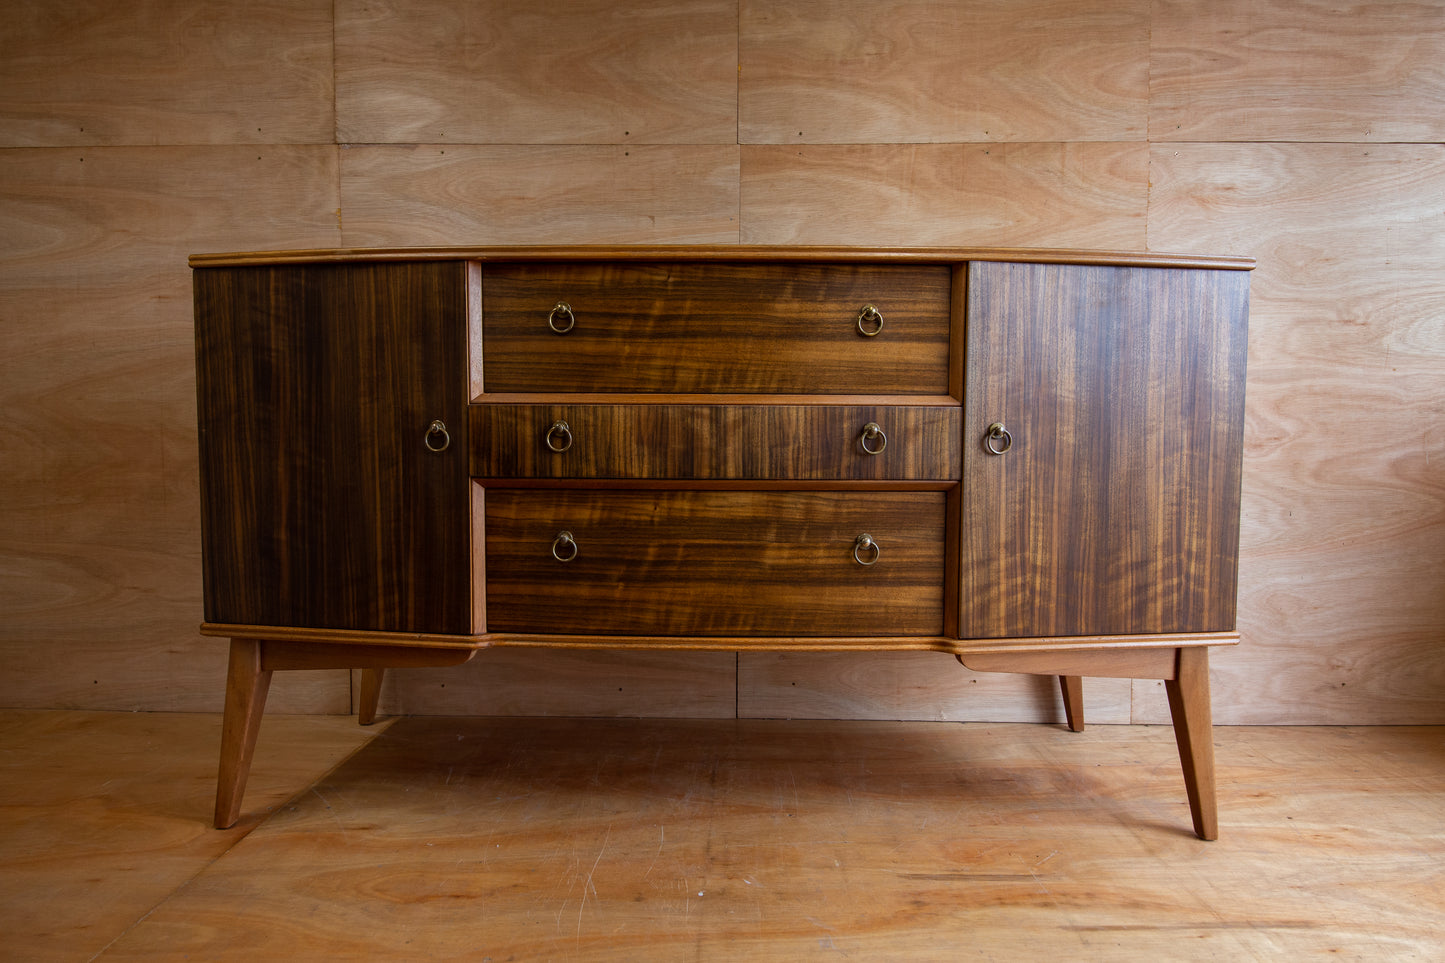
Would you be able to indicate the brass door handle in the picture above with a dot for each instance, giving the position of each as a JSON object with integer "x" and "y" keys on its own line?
{"x": 436, "y": 438}
{"x": 561, "y": 319}
{"x": 873, "y": 439}
{"x": 865, "y": 543}
{"x": 870, "y": 321}
{"x": 998, "y": 440}
{"x": 559, "y": 436}
{"x": 564, "y": 547}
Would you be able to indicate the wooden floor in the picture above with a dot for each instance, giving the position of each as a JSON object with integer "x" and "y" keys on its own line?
{"x": 560, "y": 839}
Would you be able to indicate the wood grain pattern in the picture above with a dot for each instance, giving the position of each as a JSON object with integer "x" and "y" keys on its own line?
{"x": 322, "y": 504}
{"x": 106, "y": 814}
{"x": 1341, "y": 564}
{"x": 1297, "y": 70}
{"x": 715, "y": 563}
{"x": 1011, "y": 195}
{"x": 727, "y": 327}
{"x": 87, "y": 72}
{"x": 1115, "y": 511}
{"x": 534, "y": 194}
{"x": 99, "y": 543}
{"x": 517, "y": 72}
{"x": 682, "y": 442}
{"x": 858, "y": 71}
{"x": 626, "y": 839}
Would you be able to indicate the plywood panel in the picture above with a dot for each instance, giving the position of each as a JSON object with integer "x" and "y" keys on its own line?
{"x": 929, "y": 71}
{"x": 521, "y": 72}
{"x": 539, "y": 194}
{"x": 100, "y": 539}
{"x": 107, "y": 814}
{"x": 575, "y": 682}
{"x": 595, "y": 840}
{"x": 165, "y": 72}
{"x": 921, "y": 686}
{"x": 1297, "y": 70}
{"x": 1012, "y": 195}
{"x": 1343, "y": 536}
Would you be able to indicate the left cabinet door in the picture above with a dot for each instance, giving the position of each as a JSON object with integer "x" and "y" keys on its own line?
{"x": 323, "y": 504}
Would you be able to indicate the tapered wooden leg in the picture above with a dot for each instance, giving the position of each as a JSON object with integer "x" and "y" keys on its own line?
{"x": 370, "y": 695}
{"x": 1193, "y": 729}
{"x": 1073, "y": 689}
{"x": 246, "y": 687}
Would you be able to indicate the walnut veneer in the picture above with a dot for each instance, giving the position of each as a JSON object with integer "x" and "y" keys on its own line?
{"x": 1029, "y": 460}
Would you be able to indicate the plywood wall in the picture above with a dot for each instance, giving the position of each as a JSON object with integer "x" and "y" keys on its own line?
{"x": 1310, "y": 135}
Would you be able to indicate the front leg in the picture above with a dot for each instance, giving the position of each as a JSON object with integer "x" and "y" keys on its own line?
{"x": 246, "y": 687}
{"x": 1193, "y": 730}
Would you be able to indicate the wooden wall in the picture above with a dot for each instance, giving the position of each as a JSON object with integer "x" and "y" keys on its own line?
{"x": 1307, "y": 134}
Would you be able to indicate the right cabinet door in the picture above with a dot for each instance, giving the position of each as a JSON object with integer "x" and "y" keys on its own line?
{"x": 1113, "y": 508}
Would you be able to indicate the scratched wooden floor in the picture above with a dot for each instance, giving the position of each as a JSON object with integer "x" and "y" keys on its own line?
{"x": 559, "y": 839}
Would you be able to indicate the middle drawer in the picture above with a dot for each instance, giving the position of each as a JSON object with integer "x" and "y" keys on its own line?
{"x": 721, "y": 442}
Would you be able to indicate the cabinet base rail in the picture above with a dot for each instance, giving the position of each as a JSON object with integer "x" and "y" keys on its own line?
{"x": 1184, "y": 670}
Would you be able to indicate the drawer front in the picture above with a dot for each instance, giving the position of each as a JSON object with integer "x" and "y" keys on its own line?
{"x": 715, "y": 563}
{"x": 797, "y": 442}
{"x": 708, "y": 328}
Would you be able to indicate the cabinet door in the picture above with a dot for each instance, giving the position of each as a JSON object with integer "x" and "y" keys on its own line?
{"x": 1115, "y": 508}
{"x": 322, "y": 505}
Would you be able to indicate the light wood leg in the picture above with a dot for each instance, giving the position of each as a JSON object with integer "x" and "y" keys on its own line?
{"x": 370, "y": 695}
{"x": 246, "y": 687}
{"x": 1073, "y": 689}
{"x": 1193, "y": 729}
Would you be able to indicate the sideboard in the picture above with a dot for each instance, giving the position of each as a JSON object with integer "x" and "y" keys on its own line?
{"x": 1028, "y": 460}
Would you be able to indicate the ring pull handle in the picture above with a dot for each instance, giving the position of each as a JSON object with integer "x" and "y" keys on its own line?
{"x": 998, "y": 440}
{"x": 870, "y": 321}
{"x": 559, "y": 436}
{"x": 561, "y": 319}
{"x": 864, "y": 544}
{"x": 873, "y": 439}
{"x": 436, "y": 438}
{"x": 564, "y": 547}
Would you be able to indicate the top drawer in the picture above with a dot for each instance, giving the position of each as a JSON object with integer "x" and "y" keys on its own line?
{"x": 703, "y": 328}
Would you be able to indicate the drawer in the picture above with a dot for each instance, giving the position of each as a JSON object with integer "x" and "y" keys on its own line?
{"x": 716, "y": 328}
{"x": 714, "y": 563}
{"x": 799, "y": 442}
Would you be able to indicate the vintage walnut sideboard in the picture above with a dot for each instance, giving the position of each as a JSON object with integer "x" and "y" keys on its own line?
{"x": 1029, "y": 460}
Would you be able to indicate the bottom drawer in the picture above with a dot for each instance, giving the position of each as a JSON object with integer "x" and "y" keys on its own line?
{"x": 714, "y": 563}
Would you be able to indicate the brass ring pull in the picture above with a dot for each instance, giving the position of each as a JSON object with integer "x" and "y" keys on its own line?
{"x": 865, "y": 543}
{"x": 998, "y": 440}
{"x": 564, "y": 547}
{"x": 561, "y": 319}
{"x": 559, "y": 436}
{"x": 437, "y": 429}
{"x": 872, "y": 433}
{"x": 870, "y": 321}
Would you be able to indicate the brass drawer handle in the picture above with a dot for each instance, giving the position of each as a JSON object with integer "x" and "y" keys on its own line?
{"x": 561, "y": 319}
{"x": 559, "y": 436}
{"x": 874, "y": 435}
{"x": 437, "y": 429}
{"x": 998, "y": 440}
{"x": 865, "y": 543}
{"x": 564, "y": 547}
{"x": 870, "y": 321}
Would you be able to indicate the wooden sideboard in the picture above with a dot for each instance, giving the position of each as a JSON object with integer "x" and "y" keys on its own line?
{"x": 1029, "y": 460}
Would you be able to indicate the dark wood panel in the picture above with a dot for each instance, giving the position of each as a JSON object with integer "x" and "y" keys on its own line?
{"x": 724, "y": 327}
{"x": 800, "y": 442}
{"x": 321, "y": 505}
{"x": 715, "y": 563}
{"x": 1116, "y": 509}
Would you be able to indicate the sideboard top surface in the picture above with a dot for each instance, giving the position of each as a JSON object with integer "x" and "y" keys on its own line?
{"x": 725, "y": 252}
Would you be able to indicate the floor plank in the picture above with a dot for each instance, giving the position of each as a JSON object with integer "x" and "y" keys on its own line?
{"x": 753, "y": 840}
{"x": 104, "y": 815}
